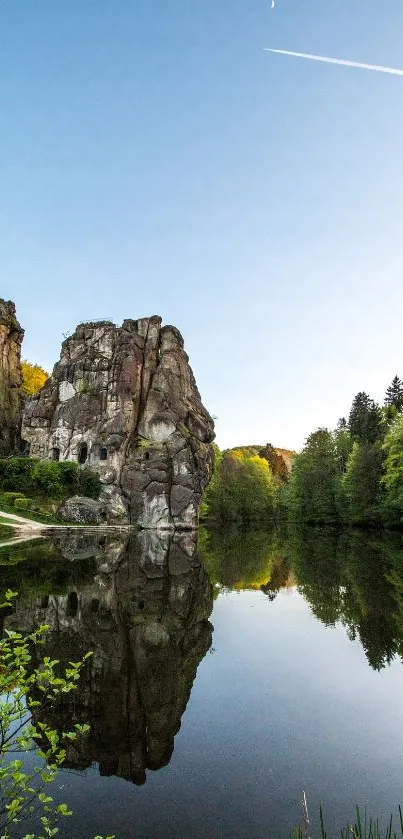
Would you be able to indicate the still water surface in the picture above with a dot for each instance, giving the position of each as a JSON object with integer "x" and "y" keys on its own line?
{"x": 225, "y": 679}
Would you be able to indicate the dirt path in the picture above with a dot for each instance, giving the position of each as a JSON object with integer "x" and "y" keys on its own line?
{"x": 27, "y": 524}
{"x": 30, "y": 526}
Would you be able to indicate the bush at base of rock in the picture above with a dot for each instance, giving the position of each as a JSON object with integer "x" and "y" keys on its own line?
{"x": 47, "y": 478}
{"x": 11, "y": 498}
{"x": 23, "y": 504}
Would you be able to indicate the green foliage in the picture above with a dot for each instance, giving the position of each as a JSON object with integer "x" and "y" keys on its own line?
{"x": 242, "y": 489}
{"x": 238, "y": 558}
{"x": 26, "y": 691}
{"x": 394, "y": 394}
{"x": 55, "y": 479}
{"x": 361, "y": 484}
{"x": 11, "y": 497}
{"x": 89, "y": 483}
{"x": 312, "y": 491}
{"x": 365, "y": 419}
{"x": 355, "y": 578}
{"x": 393, "y": 477}
{"x": 343, "y": 444}
{"x": 354, "y": 474}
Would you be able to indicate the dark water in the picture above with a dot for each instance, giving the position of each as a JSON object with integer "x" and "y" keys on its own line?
{"x": 225, "y": 678}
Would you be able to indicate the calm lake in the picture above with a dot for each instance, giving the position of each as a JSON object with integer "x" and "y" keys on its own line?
{"x": 225, "y": 678}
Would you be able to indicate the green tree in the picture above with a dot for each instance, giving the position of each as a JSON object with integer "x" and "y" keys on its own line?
{"x": 394, "y": 394}
{"x": 33, "y": 378}
{"x": 365, "y": 419}
{"x": 392, "y": 480}
{"x": 242, "y": 489}
{"x": 361, "y": 483}
{"x": 343, "y": 444}
{"x": 313, "y": 486}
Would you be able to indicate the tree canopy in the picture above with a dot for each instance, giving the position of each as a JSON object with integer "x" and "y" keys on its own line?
{"x": 33, "y": 378}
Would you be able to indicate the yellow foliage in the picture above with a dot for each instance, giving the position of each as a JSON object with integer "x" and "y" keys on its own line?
{"x": 33, "y": 378}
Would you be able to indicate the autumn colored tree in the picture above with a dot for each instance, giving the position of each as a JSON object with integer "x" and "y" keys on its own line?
{"x": 242, "y": 490}
{"x": 33, "y": 378}
{"x": 276, "y": 462}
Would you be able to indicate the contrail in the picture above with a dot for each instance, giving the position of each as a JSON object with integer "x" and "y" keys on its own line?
{"x": 379, "y": 68}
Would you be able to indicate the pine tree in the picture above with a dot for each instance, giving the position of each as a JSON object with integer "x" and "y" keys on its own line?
{"x": 394, "y": 394}
{"x": 365, "y": 420}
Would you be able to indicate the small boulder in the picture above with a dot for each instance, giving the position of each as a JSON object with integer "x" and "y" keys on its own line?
{"x": 81, "y": 510}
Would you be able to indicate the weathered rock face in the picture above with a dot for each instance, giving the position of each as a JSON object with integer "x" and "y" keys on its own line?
{"x": 145, "y": 617}
{"x": 11, "y": 336}
{"x": 124, "y": 401}
{"x": 80, "y": 510}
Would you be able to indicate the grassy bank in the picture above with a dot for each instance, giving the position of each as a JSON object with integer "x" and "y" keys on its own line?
{"x": 32, "y": 515}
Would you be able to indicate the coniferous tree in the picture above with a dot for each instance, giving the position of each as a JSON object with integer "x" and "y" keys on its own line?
{"x": 394, "y": 394}
{"x": 365, "y": 420}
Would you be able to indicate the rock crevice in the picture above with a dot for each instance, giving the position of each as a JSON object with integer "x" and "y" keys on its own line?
{"x": 124, "y": 401}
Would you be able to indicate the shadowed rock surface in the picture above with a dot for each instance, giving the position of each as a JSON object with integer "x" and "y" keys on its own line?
{"x": 124, "y": 401}
{"x": 145, "y": 617}
{"x": 11, "y": 335}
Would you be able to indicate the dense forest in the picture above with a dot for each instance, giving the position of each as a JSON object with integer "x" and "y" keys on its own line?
{"x": 350, "y": 475}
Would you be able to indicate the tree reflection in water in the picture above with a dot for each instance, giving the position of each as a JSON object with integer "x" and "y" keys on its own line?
{"x": 142, "y": 605}
{"x": 354, "y": 577}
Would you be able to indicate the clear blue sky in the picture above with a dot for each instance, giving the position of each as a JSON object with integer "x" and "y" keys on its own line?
{"x": 154, "y": 159}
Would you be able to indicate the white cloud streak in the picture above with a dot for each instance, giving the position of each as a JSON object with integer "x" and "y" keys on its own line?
{"x": 378, "y": 68}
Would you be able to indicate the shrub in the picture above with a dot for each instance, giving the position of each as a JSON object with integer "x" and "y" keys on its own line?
{"x": 46, "y": 478}
{"x": 89, "y": 484}
{"x": 10, "y": 498}
{"x": 23, "y": 503}
{"x": 15, "y": 473}
{"x": 29, "y": 476}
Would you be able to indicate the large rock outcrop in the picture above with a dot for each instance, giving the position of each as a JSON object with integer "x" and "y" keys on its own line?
{"x": 124, "y": 401}
{"x": 145, "y": 615}
{"x": 11, "y": 336}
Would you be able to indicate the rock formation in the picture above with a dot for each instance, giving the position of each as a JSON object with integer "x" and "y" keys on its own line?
{"x": 11, "y": 336}
{"x": 124, "y": 401}
{"x": 145, "y": 617}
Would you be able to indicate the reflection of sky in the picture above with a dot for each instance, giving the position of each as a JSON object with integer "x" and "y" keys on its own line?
{"x": 155, "y": 159}
{"x": 281, "y": 704}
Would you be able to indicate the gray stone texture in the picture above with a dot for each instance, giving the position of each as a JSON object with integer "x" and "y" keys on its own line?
{"x": 125, "y": 399}
{"x": 148, "y": 629}
{"x": 11, "y": 336}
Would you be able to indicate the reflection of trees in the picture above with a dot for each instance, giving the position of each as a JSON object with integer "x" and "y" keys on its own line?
{"x": 356, "y": 578}
{"x": 144, "y": 614}
{"x": 239, "y": 559}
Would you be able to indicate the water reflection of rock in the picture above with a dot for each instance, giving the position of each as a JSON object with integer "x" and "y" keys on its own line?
{"x": 145, "y": 617}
